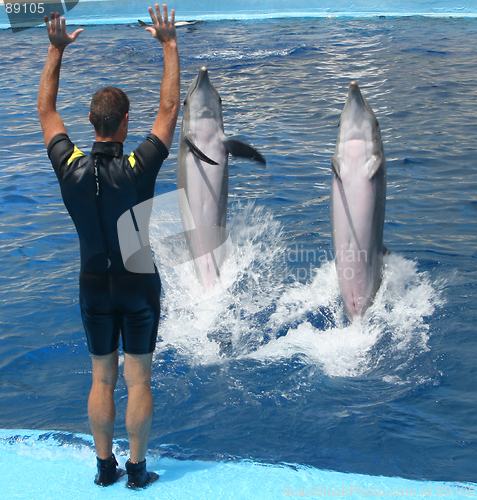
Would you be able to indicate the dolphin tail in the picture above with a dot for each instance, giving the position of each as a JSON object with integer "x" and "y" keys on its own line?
{"x": 242, "y": 150}
{"x": 197, "y": 152}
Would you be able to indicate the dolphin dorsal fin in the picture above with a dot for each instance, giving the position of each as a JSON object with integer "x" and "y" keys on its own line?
{"x": 373, "y": 165}
{"x": 242, "y": 150}
{"x": 197, "y": 152}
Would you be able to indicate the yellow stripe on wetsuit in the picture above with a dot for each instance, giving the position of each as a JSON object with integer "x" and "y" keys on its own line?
{"x": 76, "y": 154}
{"x": 132, "y": 160}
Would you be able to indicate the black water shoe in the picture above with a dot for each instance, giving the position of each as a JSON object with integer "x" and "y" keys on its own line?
{"x": 138, "y": 477}
{"x": 107, "y": 471}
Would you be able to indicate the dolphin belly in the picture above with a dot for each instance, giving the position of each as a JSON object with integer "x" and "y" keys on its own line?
{"x": 206, "y": 193}
{"x": 203, "y": 179}
{"x": 357, "y": 243}
{"x": 358, "y": 199}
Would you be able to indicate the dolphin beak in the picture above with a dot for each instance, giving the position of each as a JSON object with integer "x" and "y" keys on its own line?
{"x": 202, "y": 79}
{"x": 355, "y": 98}
{"x": 354, "y": 92}
{"x": 203, "y": 76}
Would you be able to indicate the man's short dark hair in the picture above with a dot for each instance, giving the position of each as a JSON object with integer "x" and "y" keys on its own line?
{"x": 108, "y": 107}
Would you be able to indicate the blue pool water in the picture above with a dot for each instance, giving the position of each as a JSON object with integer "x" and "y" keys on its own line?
{"x": 127, "y": 11}
{"x": 394, "y": 397}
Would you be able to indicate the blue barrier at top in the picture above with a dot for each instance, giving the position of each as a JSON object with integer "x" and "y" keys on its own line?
{"x": 25, "y": 14}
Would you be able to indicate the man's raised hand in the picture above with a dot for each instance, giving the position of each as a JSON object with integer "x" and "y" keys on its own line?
{"x": 57, "y": 31}
{"x": 164, "y": 30}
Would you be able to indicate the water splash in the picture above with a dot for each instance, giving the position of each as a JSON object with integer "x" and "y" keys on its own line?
{"x": 392, "y": 332}
{"x": 260, "y": 312}
{"x": 228, "y": 319}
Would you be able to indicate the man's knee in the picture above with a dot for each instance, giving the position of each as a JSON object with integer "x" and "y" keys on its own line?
{"x": 137, "y": 369}
{"x": 105, "y": 369}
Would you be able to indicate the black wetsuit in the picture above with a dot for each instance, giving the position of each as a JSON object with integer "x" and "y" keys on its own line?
{"x": 97, "y": 189}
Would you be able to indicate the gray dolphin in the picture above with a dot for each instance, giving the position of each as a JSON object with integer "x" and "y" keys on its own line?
{"x": 358, "y": 200}
{"x": 202, "y": 177}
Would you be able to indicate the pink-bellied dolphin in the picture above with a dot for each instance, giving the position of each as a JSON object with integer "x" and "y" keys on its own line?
{"x": 202, "y": 177}
{"x": 358, "y": 200}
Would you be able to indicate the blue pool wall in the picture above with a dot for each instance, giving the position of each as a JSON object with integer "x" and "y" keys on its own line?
{"x": 127, "y": 11}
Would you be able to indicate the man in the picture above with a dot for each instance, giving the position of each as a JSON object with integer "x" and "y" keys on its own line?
{"x": 97, "y": 189}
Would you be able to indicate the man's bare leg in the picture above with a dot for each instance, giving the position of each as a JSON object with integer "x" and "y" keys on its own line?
{"x": 140, "y": 409}
{"x": 101, "y": 408}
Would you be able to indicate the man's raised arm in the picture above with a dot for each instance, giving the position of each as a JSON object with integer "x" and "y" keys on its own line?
{"x": 165, "y": 31}
{"x": 51, "y": 122}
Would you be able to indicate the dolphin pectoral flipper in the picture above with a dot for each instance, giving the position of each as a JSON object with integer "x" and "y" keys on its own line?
{"x": 242, "y": 150}
{"x": 335, "y": 166}
{"x": 197, "y": 152}
{"x": 373, "y": 165}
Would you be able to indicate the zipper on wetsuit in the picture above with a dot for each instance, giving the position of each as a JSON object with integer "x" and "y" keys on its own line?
{"x": 96, "y": 175}
{"x": 100, "y": 212}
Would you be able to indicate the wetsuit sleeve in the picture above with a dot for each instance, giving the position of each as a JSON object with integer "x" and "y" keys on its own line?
{"x": 61, "y": 151}
{"x": 147, "y": 159}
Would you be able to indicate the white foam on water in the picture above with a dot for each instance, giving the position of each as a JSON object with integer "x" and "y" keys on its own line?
{"x": 237, "y": 55}
{"x": 195, "y": 322}
{"x": 396, "y": 319}
{"x": 258, "y": 312}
